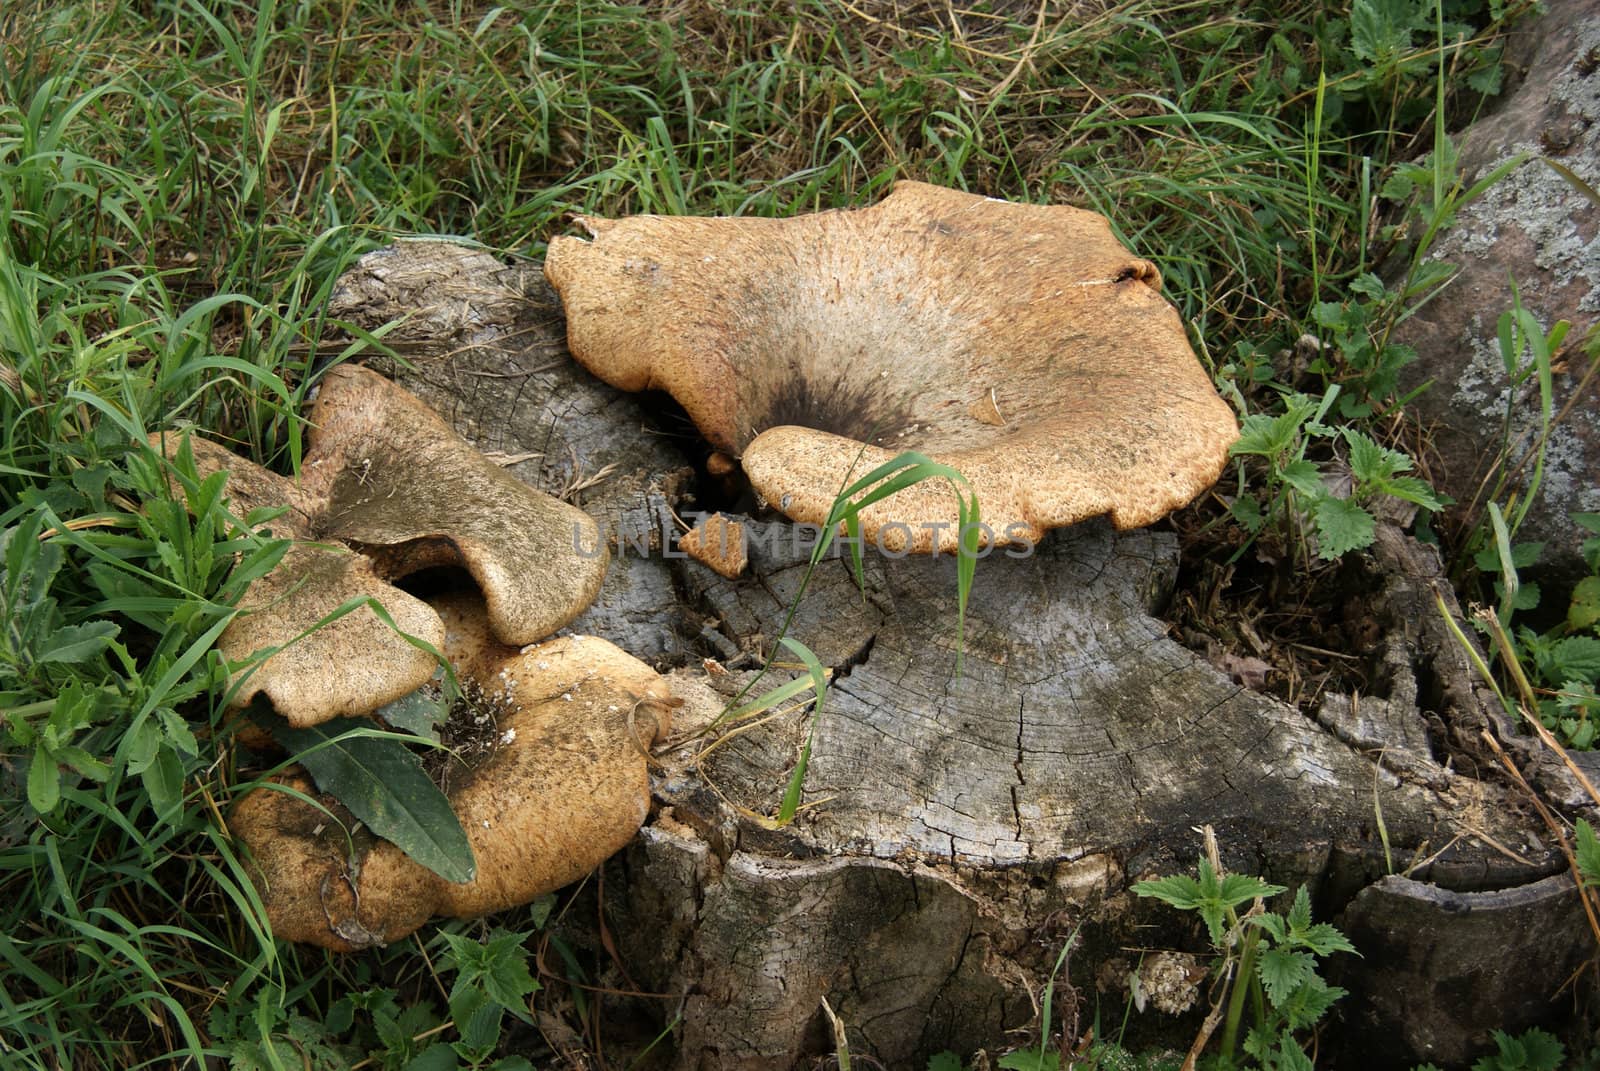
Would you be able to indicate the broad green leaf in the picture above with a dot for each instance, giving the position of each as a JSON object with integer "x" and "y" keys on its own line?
{"x": 1411, "y": 489}
{"x": 436, "y": 1057}
{"x": 163, "y": 780}
{"x": 421, "y": 713}
{"x": 1573, "y": 658}
{"x": 1303, "y": 476}
{"x": 1342, "y": 526}
{"x": 1309, "y": 1003}
{"x": 1240, "y": 889}
{"x": 1282, "y": 971}
{"x": 384, "y": 785}
{"x": 1588, "y": 851}
{"x": 1272, "y": 924}
{"x": 1370, "y": 462}
{"x": 1541, "y": 1051}
{"x": 44, "y": 782}
{"x": 1325, "y": 939}
{"x": 1179, "y": 890}
{"x": 1030, "y": 1060}
{"x": 944, "y": 1061}
{"x": 76, "y": 643}
{"x": 507, "y": 978}
{"x": 1583, "y": 613}
{"x": 1369, "y": 285}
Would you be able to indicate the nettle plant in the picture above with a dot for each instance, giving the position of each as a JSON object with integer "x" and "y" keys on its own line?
{"x": 1306, "y": 503}
{"x": 1268, "y": 961}
{"x": 1556, "y": 673}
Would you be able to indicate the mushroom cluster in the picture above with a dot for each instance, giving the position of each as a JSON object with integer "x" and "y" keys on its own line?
{"x": 1019, "y": 344}
{"x": 564, "y": 785}
{"x": 386, "y": 490}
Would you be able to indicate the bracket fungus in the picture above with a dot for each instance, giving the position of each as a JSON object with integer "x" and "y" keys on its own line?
{"x": 1020, "y": 344}
{"x": 564, "y": 785}
{"x": 387, "y": 489}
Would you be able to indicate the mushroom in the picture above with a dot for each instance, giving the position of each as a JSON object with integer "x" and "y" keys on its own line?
{"x": 1020, "y": 344}
{"x": 717, "y": 542}
{"x": 564, "y": 785}
{"x": 385, "y": 476}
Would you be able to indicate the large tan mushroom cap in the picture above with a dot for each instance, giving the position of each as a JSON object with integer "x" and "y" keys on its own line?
{"x": 398, "y": 483}
{"x": 1020, "y": 344}
{"x": 388, "y": 477}
{"x": 566, "y": 786}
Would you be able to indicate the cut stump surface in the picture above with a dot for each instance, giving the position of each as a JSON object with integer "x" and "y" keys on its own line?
{"x": 961, "y": 826}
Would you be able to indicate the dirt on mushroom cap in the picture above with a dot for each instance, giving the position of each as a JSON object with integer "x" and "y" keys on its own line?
{"x": 1020, "y": 344}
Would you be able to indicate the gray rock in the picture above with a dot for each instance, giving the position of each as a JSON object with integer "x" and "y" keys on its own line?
{"x": 1535, "y": 227}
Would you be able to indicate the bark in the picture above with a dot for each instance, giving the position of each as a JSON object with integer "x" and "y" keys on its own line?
{"x": 962, "y": 825}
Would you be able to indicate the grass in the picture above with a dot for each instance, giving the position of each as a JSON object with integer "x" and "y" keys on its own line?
{"x": 181, "y": 183}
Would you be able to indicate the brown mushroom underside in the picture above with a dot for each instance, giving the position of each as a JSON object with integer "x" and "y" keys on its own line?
{"x": 565, "y": 786}
{"x": 1020, "y": 344}
{"x": 385, "y": 475}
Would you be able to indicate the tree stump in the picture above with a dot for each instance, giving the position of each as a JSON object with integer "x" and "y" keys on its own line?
{"x": 961, "y": 826}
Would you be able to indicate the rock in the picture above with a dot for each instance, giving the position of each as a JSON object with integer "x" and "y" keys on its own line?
{"x": 1536, "y": 228}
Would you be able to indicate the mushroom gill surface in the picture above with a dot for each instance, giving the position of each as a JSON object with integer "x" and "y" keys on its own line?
{"x": 565, "y": 785}
{"x": 1020, "y": 344}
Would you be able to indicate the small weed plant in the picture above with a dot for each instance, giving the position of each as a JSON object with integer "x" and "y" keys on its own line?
{"x": 1533, "y": 1050}
{"x": 1268, "y": 963}
{"x": 1299, "y": 499}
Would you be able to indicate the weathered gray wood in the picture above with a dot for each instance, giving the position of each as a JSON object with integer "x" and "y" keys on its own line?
{"x": 1446, "y": 952}
{"x": 963, "y": 825}
{"x": 484, "y": 344}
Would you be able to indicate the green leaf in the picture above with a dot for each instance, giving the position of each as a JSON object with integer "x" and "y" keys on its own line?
{"x": 44, "y": 782}
{"x": 1309, "y": 1003}
{"x": 1380, "y": 30}
{"x": 1247, "y": 511}
{"x": 1261, "y": 435}
{"x": 944, "y": 1061}
{"x": 1588, "y": 852}
{"x": 383, "y": 785}
{"x": 506, "y": 977}
{"x": 1370, "y": 286}
{"x": 1411, "y": 489}
{"x": 1342, "y": 526}
{"x": 1522, "y": 555}
{"x": 1573, "y": 658}
{"x": 1370, "y": 462}
{"x": 421, "y": 712}
{"x": 1487, "y": 80}
{"x": 163, "y": 780}
{"x": 1542, "y": 1052}
{"x": 1272, "y": 924}
{"x": 1300, "y": 912}
{"x": 1324, "y": 939}
{"x": 477, "y": 1019}
{"x": 819, "y": 685}
{"x": 77, "y": 643}
{"x": 1180, "y": 890}
{"x": 1583, "y": 612}
{"x": 1282, "y": 971}
{"x": 1305, "y": 477}
{"x": 1240, "y": 889}
{"x": 1030, "y": 1060}
{"x": 436, "y": 1057}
